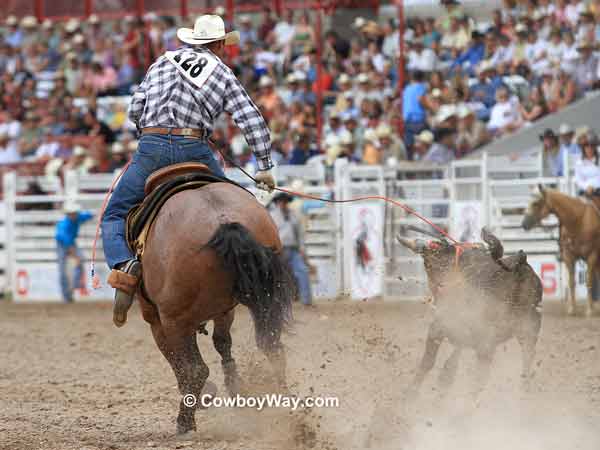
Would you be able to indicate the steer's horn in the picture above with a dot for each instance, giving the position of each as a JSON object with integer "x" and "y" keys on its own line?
{"x": 416, "y": 245}
{"x": 423, "y": 231}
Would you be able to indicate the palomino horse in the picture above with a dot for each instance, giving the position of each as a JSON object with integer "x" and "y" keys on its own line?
{"x": 480, "y": 301}
{"x": 579, "y": 235}
{"x": 208, "y": 250}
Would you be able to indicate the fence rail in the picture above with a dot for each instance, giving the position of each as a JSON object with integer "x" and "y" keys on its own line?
{"x": 462, "y": 198}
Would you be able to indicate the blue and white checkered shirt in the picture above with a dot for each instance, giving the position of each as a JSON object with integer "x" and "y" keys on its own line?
{"x": 166, "y": 99}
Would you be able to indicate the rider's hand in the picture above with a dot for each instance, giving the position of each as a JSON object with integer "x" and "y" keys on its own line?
{"x": 264, "y": 180}
{"x": 589, "y": 191}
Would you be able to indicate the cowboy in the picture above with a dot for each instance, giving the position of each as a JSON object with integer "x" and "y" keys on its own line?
{"x": 67, "y": 230}
{"x": 174, "y": 108}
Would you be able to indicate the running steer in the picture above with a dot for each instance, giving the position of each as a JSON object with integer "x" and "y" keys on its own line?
{"x": 480, "y": 300}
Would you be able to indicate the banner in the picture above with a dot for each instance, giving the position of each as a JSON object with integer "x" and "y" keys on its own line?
{"x": 39, "y": 282}
{"x": 363, "y": 255}
{"x": 467, "y": 221}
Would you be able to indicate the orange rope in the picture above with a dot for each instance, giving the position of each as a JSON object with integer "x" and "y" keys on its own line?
{"x": 95, "y": 279}
{"x": 375, "y": 197}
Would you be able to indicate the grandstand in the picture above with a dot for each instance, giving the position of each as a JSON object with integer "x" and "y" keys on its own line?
{"x": 440, "y": 104}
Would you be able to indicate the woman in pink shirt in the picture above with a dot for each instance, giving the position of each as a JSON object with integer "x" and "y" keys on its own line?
{"x": 103, "y": 79}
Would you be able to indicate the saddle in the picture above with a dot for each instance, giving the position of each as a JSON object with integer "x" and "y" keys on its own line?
{"x": 160, "y": 186}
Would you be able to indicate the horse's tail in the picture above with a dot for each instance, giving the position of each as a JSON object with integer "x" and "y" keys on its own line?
{"x": 261, "y": 281}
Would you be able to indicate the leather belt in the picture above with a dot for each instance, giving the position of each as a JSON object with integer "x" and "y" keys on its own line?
{"x": 189, "y": 132}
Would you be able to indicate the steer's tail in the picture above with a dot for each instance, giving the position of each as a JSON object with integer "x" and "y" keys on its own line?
{"x": 261, "y": 281}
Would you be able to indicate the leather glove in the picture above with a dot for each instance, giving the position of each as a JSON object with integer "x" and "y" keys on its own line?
{"x": 264, "y": 180}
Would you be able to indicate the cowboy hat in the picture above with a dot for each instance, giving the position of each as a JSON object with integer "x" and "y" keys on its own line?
{"x": 265, "y": 81}
{"x": 548, "y": 133}
{"x": 71, "y": 207}
{"x": 282, "y": 196}
{"x": 79, "y": 151}
{"x": 72, "y": 25}
{"x": 425, "y": 136}
{"x": 29, "y": 22}
{"x": 208, "y": 28}
{"x": 565, "y": 128}
{"x": 117, "y": 148}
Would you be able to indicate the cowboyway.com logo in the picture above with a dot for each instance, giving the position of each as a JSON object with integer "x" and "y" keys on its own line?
{"x": 261, "y": 402}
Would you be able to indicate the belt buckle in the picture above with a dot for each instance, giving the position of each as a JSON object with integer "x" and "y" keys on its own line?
{"x": 187, "y": 132}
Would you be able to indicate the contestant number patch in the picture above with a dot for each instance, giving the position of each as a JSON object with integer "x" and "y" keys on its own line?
{"x": 196, "y": 67}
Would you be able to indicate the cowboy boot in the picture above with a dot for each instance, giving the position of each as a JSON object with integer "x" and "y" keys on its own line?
{"x": 125, "y": 280}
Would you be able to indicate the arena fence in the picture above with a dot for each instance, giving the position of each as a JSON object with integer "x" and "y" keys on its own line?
{"x": 352, "y": 247}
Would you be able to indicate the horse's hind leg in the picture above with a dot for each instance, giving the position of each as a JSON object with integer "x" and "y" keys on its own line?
{"x": 278, "y": 360}
{"x": 448, "y": 373}
{"x": 181, "y": 350}
{"x": 222, "y": 341}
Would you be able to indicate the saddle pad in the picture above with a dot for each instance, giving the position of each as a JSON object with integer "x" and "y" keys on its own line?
{"x": 140, "y": 217}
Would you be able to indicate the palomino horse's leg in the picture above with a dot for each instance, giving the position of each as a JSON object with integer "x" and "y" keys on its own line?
{"x": 571, "y": 305}
{"x": 527, "y": 336}
{"x": 181, "y": 350}
{"x": 448, "y": 372}
{"x": 222, "y": 341}
{"x": 432, "y": 346}
{"x": 589, "y": 282}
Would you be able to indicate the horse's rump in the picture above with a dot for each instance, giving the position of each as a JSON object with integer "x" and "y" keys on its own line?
{"x": 180, "y": 271}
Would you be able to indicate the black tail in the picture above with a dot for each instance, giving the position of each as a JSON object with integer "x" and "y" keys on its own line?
{"x": 261, "y": 281}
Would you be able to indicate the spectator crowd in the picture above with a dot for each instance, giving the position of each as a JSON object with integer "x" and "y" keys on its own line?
{"x": 64, "y": 86}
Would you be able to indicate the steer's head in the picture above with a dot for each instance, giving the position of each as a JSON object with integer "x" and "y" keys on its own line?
{"x": 438, "y": 256}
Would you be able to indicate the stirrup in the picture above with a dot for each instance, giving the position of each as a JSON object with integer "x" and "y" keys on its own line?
{"x": 125, "y": 280}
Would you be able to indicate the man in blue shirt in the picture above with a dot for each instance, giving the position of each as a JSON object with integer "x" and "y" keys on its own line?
{"x": 472, "y": 56}
{"x": 413, "y": 111}
{"x": 67, "y": 230}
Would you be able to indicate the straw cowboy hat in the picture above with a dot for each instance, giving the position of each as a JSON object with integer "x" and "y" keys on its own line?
{"x": 71, "y": 208}
{"x": 208, "y": 28}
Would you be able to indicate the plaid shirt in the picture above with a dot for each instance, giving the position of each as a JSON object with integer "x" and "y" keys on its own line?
{"x": 166, "y": 99}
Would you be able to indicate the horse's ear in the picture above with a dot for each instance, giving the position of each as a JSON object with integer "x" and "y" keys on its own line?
{"x": 541, "y": 188}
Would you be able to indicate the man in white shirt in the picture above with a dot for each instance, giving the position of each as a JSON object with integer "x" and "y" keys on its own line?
{"x": 284, "y": 30}
{"x": 505, "y": 114}
{"x": 8, "y": 150}
{"x": 421, "y": 58}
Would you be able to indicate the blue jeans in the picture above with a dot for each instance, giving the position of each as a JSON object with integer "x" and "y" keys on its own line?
{"x": 66, "y": 289}
{"x": 154, "y": 152}
{"x": 301, "y": 273}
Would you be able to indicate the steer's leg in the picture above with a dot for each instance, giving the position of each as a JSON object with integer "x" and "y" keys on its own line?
{"x": 432, "y": 346}
{"x": 448, "y": 373}
{"x": 527, "y": 336}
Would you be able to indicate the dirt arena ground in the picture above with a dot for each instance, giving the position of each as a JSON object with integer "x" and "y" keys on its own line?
{"x": 70, "y": 380}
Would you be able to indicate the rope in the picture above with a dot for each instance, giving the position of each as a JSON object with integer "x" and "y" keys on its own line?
{"x": 95, "y": 279}
{"x": 351, "y": 200}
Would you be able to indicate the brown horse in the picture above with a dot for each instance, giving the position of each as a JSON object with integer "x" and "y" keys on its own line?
{"x": 579, "y": 235}
{"x": 208, "y": 250}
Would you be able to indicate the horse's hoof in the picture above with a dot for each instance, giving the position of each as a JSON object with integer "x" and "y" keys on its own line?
{"x": 233, "y": 386}
{"x": 210, "y": 388}
{"x": 185, "y": 430}
{"x": 589, "y": 312}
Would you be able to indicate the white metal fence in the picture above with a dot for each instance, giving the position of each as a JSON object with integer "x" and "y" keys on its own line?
{"x": 462, "y": 197}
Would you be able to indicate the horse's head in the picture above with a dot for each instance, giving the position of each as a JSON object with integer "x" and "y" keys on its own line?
{"x": 537, "y": 210}
{"x": 438, "y": 255}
